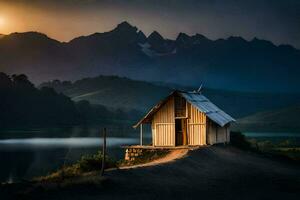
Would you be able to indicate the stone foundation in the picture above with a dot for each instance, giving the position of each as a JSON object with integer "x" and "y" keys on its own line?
{"x": 132, "y": 153}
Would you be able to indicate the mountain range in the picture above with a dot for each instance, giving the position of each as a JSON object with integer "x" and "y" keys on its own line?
{"x": 232, "y": 64}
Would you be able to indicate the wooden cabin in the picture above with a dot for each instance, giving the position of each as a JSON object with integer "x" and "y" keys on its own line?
{"x": 186, "y": 119}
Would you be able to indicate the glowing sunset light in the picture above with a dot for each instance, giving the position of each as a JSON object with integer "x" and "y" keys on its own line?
{"x": 2, "y": 21}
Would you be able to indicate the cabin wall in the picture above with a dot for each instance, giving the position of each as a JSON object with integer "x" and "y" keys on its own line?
{"x": 163, "y": 125}
{"x": 211, "y": 132}
{"x": 217, "y": 134}
{"x": 196, "y": 126}
{"x": 200, "y": 129}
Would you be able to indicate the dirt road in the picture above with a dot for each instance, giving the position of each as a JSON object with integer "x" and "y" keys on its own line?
{"x": 171, "y": 157}
{"x": 215, "y": 172}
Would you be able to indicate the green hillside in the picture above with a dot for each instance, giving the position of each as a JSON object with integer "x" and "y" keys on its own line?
{"x": 126, "y": 94}
{"x": 112, "y": 91}
{"x": 285, "y": 119}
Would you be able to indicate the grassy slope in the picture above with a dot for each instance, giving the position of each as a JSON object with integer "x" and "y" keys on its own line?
{"x": 116, "y": 92}
{"x": 286, "y": 119}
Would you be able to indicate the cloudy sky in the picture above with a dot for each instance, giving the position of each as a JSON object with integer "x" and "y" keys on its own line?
{"x": 275, "y": 20}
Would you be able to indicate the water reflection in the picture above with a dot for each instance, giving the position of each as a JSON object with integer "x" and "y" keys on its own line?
{"x": 63, "y": 142}
{"x": 31, "y": 157}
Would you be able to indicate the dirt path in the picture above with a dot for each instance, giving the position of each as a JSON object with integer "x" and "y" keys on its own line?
{"x": 172, "y": 156}
{"x": 216, "y": 172}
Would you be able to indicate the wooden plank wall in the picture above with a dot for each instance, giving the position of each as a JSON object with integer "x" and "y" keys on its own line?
{"x": 196, "y": 126}
{"x": 211, "y": 132}
{"x": 163, "y": 125}
{"x": 228, "y": 133}
{"x": 217, "y": 134}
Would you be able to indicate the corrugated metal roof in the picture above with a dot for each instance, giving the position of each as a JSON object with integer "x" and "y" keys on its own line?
{"x": 200, "y": 102}
{"x": 204, "y": 105}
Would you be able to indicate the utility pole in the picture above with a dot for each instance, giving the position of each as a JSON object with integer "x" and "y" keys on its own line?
{"x": 103, "y": 152}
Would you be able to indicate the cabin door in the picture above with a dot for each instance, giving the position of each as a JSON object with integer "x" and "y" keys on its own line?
{"x": 180, "y": 131}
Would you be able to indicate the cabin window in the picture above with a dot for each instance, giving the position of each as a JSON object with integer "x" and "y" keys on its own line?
{"x": 180, "y": 107}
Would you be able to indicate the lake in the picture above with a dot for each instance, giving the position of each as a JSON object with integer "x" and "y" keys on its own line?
{"x": 29, "y": 157}
{"x": 29, "y": 153}
{"x": 69, "y": 131}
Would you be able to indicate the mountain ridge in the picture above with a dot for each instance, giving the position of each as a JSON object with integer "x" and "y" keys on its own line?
{"x": 255, "y": 38}
{"x": 125, "y": 51}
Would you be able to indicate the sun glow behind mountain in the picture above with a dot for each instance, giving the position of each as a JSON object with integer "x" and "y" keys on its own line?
{"x": 2, "y": 21}
{"x": 65, "y": 19}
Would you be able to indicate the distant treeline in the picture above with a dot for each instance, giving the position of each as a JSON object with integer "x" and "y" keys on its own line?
{"x": 22, "y": 105}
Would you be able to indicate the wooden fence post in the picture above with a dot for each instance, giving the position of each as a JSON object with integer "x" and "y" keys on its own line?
{"x": 103, "y": 153}
{"x": 141, "y": 135}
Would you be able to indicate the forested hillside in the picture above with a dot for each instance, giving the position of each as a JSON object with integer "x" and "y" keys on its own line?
{"x": 24, "y": 105}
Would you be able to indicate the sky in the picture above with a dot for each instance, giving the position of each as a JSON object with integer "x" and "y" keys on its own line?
{"x": 274, "y": 20}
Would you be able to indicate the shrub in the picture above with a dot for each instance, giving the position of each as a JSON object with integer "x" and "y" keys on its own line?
{"x": 237, "y": 139}
{"x": 87, "y": 163}
{"x": 94, "y": 162}
{"x": 265, "y": 145}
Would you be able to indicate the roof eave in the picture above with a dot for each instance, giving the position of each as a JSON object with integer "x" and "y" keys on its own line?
{"x": 153, "y": 109}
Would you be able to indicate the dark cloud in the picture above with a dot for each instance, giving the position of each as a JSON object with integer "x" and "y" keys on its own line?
{"x": 278, "y": 21}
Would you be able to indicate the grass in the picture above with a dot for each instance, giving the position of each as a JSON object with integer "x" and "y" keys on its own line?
{"x": 87, "y": 164}
{"x": 292, "y": 153}
{"x": 90, "y": 165}
{"x": 82, "y": 175}
{"x": 285, "y": 149}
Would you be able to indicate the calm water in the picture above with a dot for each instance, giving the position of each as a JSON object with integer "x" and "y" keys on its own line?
{"x": 29, "y": 157}
{"x": 27, "y": 153}
{"x": 54, "y": 143}
{"x": 66, "y": 132}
